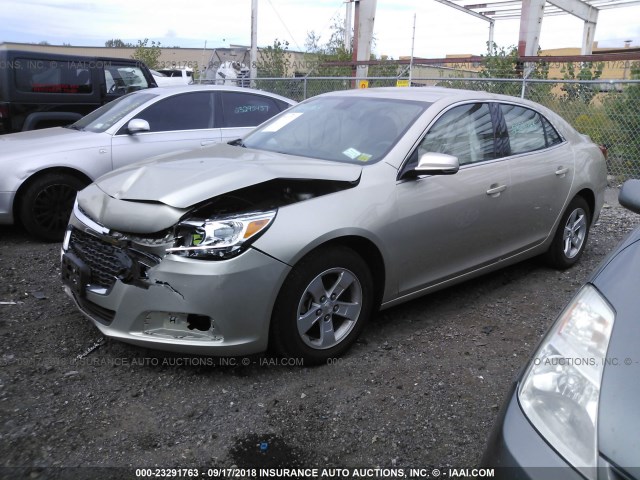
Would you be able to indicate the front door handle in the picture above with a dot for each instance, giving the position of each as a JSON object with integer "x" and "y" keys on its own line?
{"x": 561, "y": 171}
{"x": 495, "y": 190}
{"x": 204, "y": 143}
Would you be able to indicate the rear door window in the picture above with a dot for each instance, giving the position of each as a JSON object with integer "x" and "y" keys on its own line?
{"x": 50, "y": 76}
{"x": 524, "y": 128}
{"x": 246, "y": 110}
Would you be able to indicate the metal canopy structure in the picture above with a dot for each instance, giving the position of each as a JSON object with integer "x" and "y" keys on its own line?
{"x": 511, "y": 9}
{"x": 531, "y": 13}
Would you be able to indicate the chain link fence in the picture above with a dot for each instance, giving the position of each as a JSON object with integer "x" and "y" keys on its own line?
{"x": 607, "y": 111}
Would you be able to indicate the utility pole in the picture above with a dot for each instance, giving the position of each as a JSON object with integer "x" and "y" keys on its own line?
{"x": 253, "y": 56}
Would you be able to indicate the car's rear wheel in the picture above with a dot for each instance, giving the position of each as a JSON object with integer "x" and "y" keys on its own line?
{"x": 323, "y": 305}
{"x": 572, "y": 234}
{"x": 46, "y": 204}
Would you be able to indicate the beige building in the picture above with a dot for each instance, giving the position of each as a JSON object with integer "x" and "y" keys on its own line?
{"x": 194, "y": 58}
{"x": 299, "y": 63}
{"x": 612, "y": 69}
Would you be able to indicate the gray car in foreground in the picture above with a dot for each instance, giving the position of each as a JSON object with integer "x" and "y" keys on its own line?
{"x": 42, "y": 170}
{"x": 348, "y": 202}
{"x": 573, "y": 411}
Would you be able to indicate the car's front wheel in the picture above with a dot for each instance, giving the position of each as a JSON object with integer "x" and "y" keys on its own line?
{"x": 571, "y": 237}
{"x": 323, "y": 305}
{"x": 46, "y": 204}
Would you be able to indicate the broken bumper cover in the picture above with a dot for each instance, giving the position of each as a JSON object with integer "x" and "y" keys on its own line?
{"x": 184, "y": 305}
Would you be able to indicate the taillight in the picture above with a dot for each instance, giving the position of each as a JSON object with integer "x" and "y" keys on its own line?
{"x": 4, "y": 111}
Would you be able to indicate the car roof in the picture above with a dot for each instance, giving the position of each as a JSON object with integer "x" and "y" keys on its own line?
{"x": 447, "y": 96}
{"x": 428, "y": 94}
{"x": 173, "y": 90}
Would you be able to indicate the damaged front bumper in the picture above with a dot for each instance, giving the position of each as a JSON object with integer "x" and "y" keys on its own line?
{"x": 136, "y": 293}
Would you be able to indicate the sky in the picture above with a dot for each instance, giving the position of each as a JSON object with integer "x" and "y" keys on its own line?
{"x": 440, "y": 30}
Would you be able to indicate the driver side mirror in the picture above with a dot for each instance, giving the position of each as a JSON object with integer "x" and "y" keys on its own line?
{"x": 433, "y": 163}
{"x": 138, "y": 125}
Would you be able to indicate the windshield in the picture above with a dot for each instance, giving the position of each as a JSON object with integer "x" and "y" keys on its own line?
{"x": 341, "y": 129}
{"x": 108, "y": 115}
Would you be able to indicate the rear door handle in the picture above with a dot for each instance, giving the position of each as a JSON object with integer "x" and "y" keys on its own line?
{"x": 495, "y": 190}
{"x": 561, "y": 171}
{"x": 204, "y": 143}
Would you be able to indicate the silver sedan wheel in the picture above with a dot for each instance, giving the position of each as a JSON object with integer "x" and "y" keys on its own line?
{"x": 575, "y": 233}
{"x": 329, "y": 308}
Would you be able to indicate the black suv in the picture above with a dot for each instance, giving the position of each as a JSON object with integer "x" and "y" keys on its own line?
{"x": 39, "y": 90}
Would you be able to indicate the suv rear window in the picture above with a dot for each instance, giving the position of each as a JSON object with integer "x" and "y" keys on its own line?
{"x": 48, "y": 76}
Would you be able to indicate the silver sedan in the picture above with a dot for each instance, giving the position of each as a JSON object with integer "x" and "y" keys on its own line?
{"x": 348, "y": 202}
{"x": 43, "y": 169}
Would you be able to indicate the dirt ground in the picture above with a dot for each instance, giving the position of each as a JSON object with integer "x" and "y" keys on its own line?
{"x": 421, "y": 388}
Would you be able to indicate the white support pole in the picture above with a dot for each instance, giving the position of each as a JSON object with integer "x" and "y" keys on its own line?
{"x": 491, "y": 31}
{"x": 253, "y": 56}
{"x": 366, "y": 19}
{"x": 588, "y": 35}
{"x": 348, "y": 25}
{"x": 530, "y": 25}
{"x": 585, "y": 12}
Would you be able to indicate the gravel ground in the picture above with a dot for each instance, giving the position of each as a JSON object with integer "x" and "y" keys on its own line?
{"x": 420, "y": 389}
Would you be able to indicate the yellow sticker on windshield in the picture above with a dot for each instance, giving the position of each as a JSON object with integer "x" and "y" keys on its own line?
{"x": 364, "y": 157}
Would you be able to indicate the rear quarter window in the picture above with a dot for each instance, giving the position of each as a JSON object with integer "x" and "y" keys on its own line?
{"x": 121, "y": 79}
{"x": 553, "y": 137}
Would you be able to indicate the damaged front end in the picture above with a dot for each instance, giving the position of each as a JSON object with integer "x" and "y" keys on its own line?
{"x": 171, "y": 286}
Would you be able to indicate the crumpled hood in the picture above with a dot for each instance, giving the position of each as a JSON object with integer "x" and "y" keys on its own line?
{"x": 153, "y": 195}
{"x": 189, "y": 178}
{"x": 48, "y": 140}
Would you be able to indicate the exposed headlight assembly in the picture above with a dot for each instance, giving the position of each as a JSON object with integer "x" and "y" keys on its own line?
{"x": 220, "y": 238}
{"x": 561, "y": 389}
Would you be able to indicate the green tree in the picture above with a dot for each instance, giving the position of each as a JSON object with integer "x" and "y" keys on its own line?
{"x": 582, "y": 92}
{"x": 275, "y": 63}
{"x": 274, "y": 60}
{"x": 116, "y": 43}
{"x": 623, "y": 140}
{"x": 502, "y": 63}
{"x": 333, "y": 50}
{"x": 147, "y": 53}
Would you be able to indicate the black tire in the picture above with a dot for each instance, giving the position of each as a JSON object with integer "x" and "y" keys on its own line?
{"x": 571, "y": 236}
{"x": 321, "y": 269}
{"x": 46, "y": 204}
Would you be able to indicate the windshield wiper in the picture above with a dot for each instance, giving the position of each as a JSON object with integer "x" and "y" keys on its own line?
{"x": 73, "y": 126}
{"x": 237, "y": 143}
